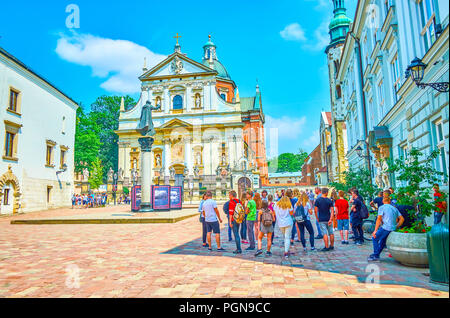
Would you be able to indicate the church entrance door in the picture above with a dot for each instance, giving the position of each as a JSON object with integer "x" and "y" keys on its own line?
{"x": 244, "y": 184}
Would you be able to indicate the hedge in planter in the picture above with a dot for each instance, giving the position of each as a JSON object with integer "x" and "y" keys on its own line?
{"x": 417, "y": 176}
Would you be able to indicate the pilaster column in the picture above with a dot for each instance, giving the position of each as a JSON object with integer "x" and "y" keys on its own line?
{"x": 166, "y": 156}
{"x": 188, "y": 154}
{"x": 167, "y": 100}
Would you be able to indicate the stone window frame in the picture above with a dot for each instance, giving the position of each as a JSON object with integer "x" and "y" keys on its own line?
{"x": 18, "y": 108}
{"x": 49, "y": 162}
{"x": 62, "y": 158}
{"x": 13, "y": 129}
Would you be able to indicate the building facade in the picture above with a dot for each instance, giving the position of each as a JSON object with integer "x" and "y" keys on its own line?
{"x": 325, "y": 173}
{"x": 311, "y": 168}
{"x": 38, "y": 134}
{"x": 386, "y": 114}
{"x": 206, "y": 136}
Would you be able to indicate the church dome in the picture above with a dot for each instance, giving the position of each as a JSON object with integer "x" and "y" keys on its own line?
{"x": 210, "y": 59}
{"x": 217, "y": 66}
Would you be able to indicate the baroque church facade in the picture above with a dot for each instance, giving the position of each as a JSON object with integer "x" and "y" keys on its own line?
{"x": 206, "y": 135}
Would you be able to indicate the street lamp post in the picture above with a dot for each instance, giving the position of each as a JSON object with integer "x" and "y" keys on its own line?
{"x": 417, "y": 70}
{"x": 359, "y": 152}
{"x": 115, "y": 176}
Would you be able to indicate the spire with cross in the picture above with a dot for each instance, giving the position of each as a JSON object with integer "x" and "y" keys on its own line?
{"x": 177, "y": 46}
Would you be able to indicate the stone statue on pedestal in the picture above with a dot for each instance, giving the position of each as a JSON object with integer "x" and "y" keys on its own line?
{"x": 145, "y": 126}
{"x": 147, "y": 130}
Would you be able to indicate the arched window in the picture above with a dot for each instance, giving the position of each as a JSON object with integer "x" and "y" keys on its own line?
{"x": 178, "y": 102}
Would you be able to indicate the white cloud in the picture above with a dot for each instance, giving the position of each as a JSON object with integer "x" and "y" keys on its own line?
{"x": 119, "y": 61}
{"x": 321, "y": 37}
{"x": 293, "y": 32}
{"x": 288, "y": 127}
{"x": 313, "y": 140}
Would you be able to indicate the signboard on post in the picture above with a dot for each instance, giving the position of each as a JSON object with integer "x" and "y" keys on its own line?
{"x": 161, "y": 197}
{"x": 136, "y": 198}
{"x": 176, "y": 198}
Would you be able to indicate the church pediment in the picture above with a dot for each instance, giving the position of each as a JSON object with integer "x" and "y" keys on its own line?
{"x": 175, "y": 123}
{"x": 177, "y": 65}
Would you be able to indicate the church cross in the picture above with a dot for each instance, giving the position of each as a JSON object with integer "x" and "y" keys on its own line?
{"x": 177, "y": 37}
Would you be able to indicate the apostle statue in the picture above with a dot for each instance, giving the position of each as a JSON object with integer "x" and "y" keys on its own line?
{"x": 110, "y": 175}
{"x": 196, "y": 172}
{"x": 85, "y": 174}
{"x": 197, "y": 101}
{"x": 145, "y": 126}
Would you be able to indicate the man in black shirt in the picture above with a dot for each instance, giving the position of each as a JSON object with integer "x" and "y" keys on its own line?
{"x": 378, "y": 201}
{"x": 355, "y": 217}
{"x": 404, "y": 211}
{"x": 324, "y": 210}
{"x": 226, "y": 210}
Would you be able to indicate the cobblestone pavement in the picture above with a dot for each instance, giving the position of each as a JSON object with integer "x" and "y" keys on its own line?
{"x": 167, "y": 260}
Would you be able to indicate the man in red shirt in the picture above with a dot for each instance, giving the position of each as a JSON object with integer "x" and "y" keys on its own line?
{"x": 441, "y": 204}
{"x": 342, "y": 206}
{"x": 232, "y": 223}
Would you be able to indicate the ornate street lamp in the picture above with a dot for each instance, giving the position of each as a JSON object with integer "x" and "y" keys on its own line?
{"x": 417, "y": 70}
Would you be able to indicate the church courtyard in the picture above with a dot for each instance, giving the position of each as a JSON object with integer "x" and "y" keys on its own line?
{"x": 167, "y": 260}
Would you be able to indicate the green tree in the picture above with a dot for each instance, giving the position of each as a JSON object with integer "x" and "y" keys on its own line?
{"x": 417, "y": 175}
{"x": 105, "y": 112}
{"x": 289, "y": 162}
{"x": 359, "y": 179}
{"x": 87, "y": 141}
{"x": 96, "y": 174}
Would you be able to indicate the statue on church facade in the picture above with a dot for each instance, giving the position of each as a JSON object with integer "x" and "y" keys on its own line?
{"x": 196, "y": 172}
{"x": 110, "y": 175}
{"x": 145, "y": 126}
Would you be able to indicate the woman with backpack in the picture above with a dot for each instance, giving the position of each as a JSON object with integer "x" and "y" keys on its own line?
{"x": 303, "y": 209}
{"x": 258, "y": 201}
{"x": 283, "y": 212}
{"x": 271, "y": 205}
{"x": 266, "y": 219}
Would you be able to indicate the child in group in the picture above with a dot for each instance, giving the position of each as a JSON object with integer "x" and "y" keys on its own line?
{"x": 266, "y": 219}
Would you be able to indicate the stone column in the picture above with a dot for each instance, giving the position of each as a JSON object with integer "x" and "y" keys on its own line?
{"x": 146, "y": 166}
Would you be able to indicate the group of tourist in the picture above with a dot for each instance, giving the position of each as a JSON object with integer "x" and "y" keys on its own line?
{"x": 89, "y": 200}
{"x": 254, "y": 216}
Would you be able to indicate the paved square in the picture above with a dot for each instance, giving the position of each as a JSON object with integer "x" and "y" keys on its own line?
{"x": 167, "y": 260}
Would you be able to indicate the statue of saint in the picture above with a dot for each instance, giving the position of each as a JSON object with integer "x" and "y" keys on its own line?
{"x": 385, "y": 175}
{"x": 158, "y": 160}
{"x": 197, "y": 101}
{"x": 198, "y": 159}
{"x": 85, "y": 174}
{"x": 145, "y": 126}
{"x": 196, "y": 171}
{"x": 110, "y": 174}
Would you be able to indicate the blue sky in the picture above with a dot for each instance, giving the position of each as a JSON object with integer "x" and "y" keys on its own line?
{"x": 281, "y": 43}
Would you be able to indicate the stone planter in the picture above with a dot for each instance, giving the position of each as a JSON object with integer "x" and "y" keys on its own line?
{"x": 410, "y": 249}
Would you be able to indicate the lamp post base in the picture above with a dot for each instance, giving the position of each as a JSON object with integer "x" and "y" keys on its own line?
{"x": 145, "y": 207}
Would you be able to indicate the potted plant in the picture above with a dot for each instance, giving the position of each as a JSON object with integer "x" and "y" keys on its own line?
{"x": 415, "y": 176}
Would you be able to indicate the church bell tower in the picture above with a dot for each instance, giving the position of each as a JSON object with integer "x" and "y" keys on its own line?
{"x": 338, "y": 29}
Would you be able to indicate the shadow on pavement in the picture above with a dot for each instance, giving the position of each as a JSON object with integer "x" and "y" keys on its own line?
{"x": 344, "y": 259}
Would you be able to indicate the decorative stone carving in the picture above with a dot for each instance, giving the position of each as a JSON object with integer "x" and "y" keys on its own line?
{"x": 9, "y": 177}
{"x": 177, "y": 65}
{"x": 146, "y": 143}
{"x": 196, "y": 172}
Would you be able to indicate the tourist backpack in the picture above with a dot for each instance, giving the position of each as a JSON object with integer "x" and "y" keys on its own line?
{"x": 266, "y": 218}
{"x": 300, "y": 215}
{"x": 364, "y": 212}
{"x": 239, "y": 213}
